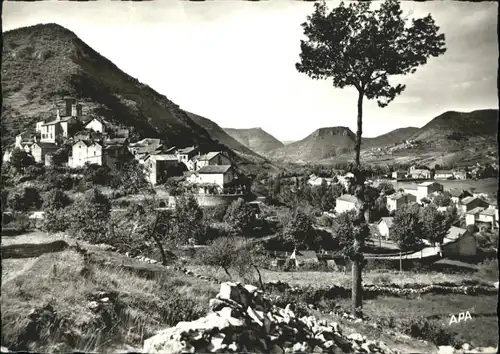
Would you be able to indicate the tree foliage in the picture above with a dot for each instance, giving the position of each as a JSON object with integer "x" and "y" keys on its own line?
{"x": 348, "y": 226}
{"x": 240, "y": 216}
{"x": 20, "y": 159}
{"x": 55, "y": 199}
{"x": 300, "y": 231}
{"x": 407, "y": 229}
{"x": 435, "y": 225}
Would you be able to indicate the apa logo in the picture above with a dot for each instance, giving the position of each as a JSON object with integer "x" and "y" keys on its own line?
{"x": 462, "y": 316}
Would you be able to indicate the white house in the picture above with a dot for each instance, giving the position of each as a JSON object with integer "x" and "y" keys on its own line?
{"x": 145, "y": 146}
{"x": 85, "y": 152}
{"x": 221, "y": 175}
{"x": 426, "y": 188}
{"x": 318, "y": 181}
{"x": 51, "y": 131}
{"x": 346, "y": 180}
{"x": 458, "y": 194}
{"x": 488, "y": 216}
{"x": 444, "y": 174}
{"x": 345, "y": 202}
{"x": 97, "y": 125}
{"x": 472, "y": 215}
{"x": 384, "y": 226}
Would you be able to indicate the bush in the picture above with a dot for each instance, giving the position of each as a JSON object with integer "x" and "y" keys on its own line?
{"x": 422, "y": 328}
{"x": 20, "y": 221}
{"x": 215, "y": 213}
{"x": 382, "y": 279}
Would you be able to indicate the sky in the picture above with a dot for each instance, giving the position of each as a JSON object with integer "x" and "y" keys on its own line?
{"x": 234, "y": 61}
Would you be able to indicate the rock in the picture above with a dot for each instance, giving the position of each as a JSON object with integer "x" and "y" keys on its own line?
{"x": 93, "y": 305}
{"x": 235, "y": 292}
{"x": 446, "y": 349}
{"x": 466, "y": 346}
{"x": 216, "y": 342}
{"x": 356, "y": 337}
{"x": 251, "y": 288}
{"x": 254, "y": 316}
{"x": 105, "y": 299}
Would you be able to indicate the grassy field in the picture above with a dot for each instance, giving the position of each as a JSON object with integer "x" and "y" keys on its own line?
{"x": 481, "y": 330}
{"x": 487, "y": 185}
{"x": 138, "y": 307}
{"x": 320, "y": 279}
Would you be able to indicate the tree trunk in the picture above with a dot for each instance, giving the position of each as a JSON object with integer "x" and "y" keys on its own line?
{"x": 400, "y": 262}
{"x": 359, "y": 132}
{"x": 227, "y": 272}
{"x": 357, "y": 290}
{"x": 260, "y": 277}
{"x": 157, "y": 240}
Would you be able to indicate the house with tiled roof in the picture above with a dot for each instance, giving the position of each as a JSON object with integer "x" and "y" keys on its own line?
{"x": 85, "y": 152}
{"x": 212, "y": 158}
{"x": 397, "y": 200}
{"x": 444, "y": 174}
{"x": 458, "y": 194}
{"x": 160, "y": 167}
{"x": 40, "y": 149}
{"x": 470, "y": 203}
{"x": 220, "y": 175}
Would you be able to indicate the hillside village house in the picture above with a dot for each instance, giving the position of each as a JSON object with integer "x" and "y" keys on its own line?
{"x": 460, "y": 174}
{"x": 187, "y": 153}
{"x": 420, "y": 173}
{"x": 221, "y": 175}
{"x": 444, "y": 174}
{"x": 317, "y": 181}
{"x": 398, "y": 174}
{"x": 25, "y": 140}
{"x": 426, "y": 188}
{"x": 410, "y": 190}
{"x": 345, "y": 202}
{"x": 346, "y": 180}
{"x": 85, "y": 152}
{"x": 212, "y": 158}
{"x": 98, "y": 125}
{"x": 384, "y": 226}
{"x": 482, "y": 217}
{"x": 469, "y": 203}
{"x": 458, "y": 194}
{"x": 60, "y": 128}
{"x": 397, "y": 200}
{"x": 463, "y": 244}
{"x": 158, "y": 167}
{"x": 40, "y": 149}
{"x": 301, "y": 258}
{"x": 144, "y": 147}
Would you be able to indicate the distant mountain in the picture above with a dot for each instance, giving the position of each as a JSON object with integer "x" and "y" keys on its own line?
{"x": 218, "y": 134}
{"x": 321, "y": 144}
{"x": 390, "y": 138}
{"x": 256, "y": 139}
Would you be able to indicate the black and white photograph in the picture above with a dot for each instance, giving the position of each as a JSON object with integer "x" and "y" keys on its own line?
{"x": 249, "y": 176}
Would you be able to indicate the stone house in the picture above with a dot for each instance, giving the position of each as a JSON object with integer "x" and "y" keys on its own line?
{"x": 220, "y": 175}
{"x": 160, "y": 167}
{"x": 384, "y": 227}
{"x": 145, "y": 147}
{"x": 25, "y": 138}
{"x": 57, "y": 129}
{"x": 486, "y": 218}
{"x": 40, "y": 149}
{"x": 469, "y": 203}
{"x": 426, "y": 188}
{"x": 304, "y": 257}
{"x": 396, "y": 200}
{"x": 464, "y": 245}
{"x": 187, "y": 153}
{"x": 419, "y": 173}
{"x": 345, "y": 202}
{"x": 398, "y": 174}
{"x": 98, "y": 125}
{"x": 86, "y": 152}
{"x": 458, "y": 194}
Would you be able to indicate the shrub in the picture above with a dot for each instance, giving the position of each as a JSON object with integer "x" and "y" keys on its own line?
{"x": 421, "y": 328}
{"x": 382, "y": 279}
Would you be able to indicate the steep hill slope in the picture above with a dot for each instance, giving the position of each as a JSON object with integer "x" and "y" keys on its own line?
{"x": 459, "y": 126}
{"x": 44, "y": 63}
{"x": 390, "y": 138}
{"x": 321, "y": 144}
{"x": 256, "y": 139}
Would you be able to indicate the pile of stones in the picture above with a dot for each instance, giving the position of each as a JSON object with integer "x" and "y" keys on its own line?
{"x": 242, "y": 319}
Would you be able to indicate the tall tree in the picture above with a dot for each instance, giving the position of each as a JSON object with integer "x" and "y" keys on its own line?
{"x": 362, "y": 47}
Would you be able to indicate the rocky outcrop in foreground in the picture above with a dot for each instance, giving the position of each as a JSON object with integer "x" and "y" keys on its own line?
{"x": 243, "y": 320}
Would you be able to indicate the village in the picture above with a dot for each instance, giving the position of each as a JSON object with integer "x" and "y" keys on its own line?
{"x": 95, "y": 141}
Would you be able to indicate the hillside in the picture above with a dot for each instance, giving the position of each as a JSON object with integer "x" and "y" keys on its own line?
{"x": 460, "y": 126}
{"x": 45, "y": 62}
{"x": 256, "y": 139}
{"x": 321, "y": 144}
{"x": 390, "y": 138}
